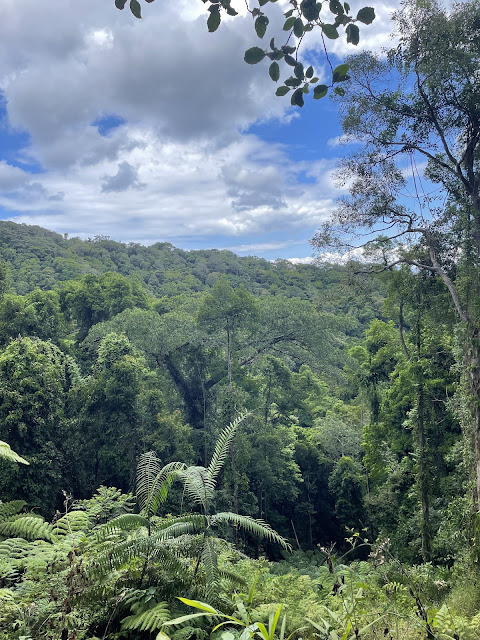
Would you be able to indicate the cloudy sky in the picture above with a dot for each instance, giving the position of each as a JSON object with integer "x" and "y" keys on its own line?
{"x": 155, "y": 130}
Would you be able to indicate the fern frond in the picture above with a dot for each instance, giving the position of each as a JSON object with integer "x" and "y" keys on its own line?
{"x": 210, "y": 564}
{"x": 181, "y": 525}
{"x": 30, "y": 527}
{"x": 256, "y": 527}
{"x": 71, "y": 523}
{"x": 198, "y": 485}
{"x": 14, "y": 548}
{"x": 8, "y": 509}
{"x": 6, "y": 453}
{"x": 223, "y": 445}
{"x": 125, "y": 522}
{"x": 154, "y": 482}
{"x": 149, "y": 620}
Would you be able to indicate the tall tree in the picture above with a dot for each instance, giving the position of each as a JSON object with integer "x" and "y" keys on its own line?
{"x": 421, "y": 103}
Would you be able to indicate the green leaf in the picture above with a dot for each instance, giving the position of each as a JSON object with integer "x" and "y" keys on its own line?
{"x": 293, "y": 82}
{"x": 286, "y": 49}
{"x": 274, "y": 71}
{"x": 261, "y": 24}
{"x": 314, "y": 80}
{"x": 346, "y": 6}
{"x": 120, "y": 4}
{"x": 340, "y": 72}
{"x": 310, "y": 10}
{"x": 287, "y": 14}
{"x": 298, "y": 28}
{"x": 336, "y": 7}
{"x": 340, "y": 91}
{"x": 254, "y": 55}
{"x": 309, "y": 72}
{"x": 298, "y": 71}
{"x": 282, "y": 91}
{"x": 135, "y": 8}
{"x": 290, "y": 61}
{"x": 263, "y": 2}
{"x": 366, "y": 15}
{"x": 214, "y": 18}
{"x": 272, "y": 44}
{"x": 289, "y": 23}
{"x": 297, "y": 99}
{"x": 330, "y": 31}
{"x": 320, "y": 91}
{"x": 353, "y": 34}
{"x": 196, "y": 604}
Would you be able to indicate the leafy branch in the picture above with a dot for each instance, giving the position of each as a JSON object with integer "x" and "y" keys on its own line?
{"x": 300, "y": 19}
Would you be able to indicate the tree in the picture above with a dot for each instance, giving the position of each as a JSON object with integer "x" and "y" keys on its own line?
{"x": 35, "y": 381}
{"x": 420, "y": 104}
{"x": 301, "y": 18}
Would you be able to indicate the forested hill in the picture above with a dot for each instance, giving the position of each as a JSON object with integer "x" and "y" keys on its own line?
{"x": 40, "y": 258}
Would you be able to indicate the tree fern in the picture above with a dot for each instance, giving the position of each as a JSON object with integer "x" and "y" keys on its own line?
{"x": 6, "y": 453}
{"x": 71, "y": 522}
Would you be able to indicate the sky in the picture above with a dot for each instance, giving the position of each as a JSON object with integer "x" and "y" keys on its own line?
{"x": 155, "y": 130}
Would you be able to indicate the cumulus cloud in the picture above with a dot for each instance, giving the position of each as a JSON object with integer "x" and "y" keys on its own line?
{"x": 179, "y": 163}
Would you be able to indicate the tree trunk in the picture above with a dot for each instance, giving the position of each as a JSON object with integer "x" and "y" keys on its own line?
{"x": 422, "y": 476}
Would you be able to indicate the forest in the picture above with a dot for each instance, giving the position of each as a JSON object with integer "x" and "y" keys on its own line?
{"x": 199, "y": 445}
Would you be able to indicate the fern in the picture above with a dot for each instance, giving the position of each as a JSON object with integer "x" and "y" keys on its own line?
{"x": 125, "y": 522}
{"x": 256, "y": 527}
{"x": 154, "y": 482}
{"x": 210, "y": 564}
{"x": 223, "y": 445}
{"x": 150, "y": 620}
{"x": 8, "y": 509}
{"x": 71, "y": 522}
{"x": 8, "y": 454}
{"x": 30, "y": 527}
{"x": 198, "y": 485}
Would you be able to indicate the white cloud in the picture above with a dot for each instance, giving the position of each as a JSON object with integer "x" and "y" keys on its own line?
{"x": 180, "y": 164}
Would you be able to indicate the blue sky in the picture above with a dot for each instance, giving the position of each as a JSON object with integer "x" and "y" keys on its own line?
{"x": 126, "y": 128}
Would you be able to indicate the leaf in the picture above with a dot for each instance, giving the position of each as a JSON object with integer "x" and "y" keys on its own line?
{"x": 293, "y": 82}
{"x": 340, "y": 91}
{"x": 135, "y": 8}
{"x": 120, "y": 4}
{"x": 289, "y": 23}
{"x": 287, "y": 50}
{"x": 298, "y": 28}
{"x": 336, "y": 7}
{"x": 261, "y": 24}
{"x": 309, "y": 72}
{"x": 272, "y": 44}
{"x": 8, "y": 454}
{"x": 282, "y": 91}
{"x": 310, "y": 10}
{"x": 320, "y": 91}
{"x": 298, "y": 71}
{"x": 353, "y": 34}
{"x": 214, "y": 18}
{"x": 290, "y": 61}
{"x": 274, "y": 71}
{"x": 346, "y": 6}
{"x": 254, "y": 55}
{"x": 366, "y": 15}
{"x": 340, "y": 72}
{"x": 196, "y": 604}
{"x": 263, "y": 2}
{"x": 330, "y": 31}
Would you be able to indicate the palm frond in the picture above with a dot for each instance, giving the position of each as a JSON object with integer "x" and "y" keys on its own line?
{"x": 148, "y": 468}
{"x": 256, "y": 527}
{"x": 6, "y": 453}
{"x": 223, "y": 445}
{"x": 149, "y": 620}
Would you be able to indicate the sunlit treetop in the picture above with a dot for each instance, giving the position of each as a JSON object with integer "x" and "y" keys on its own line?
{"x": 302, "y": 18}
